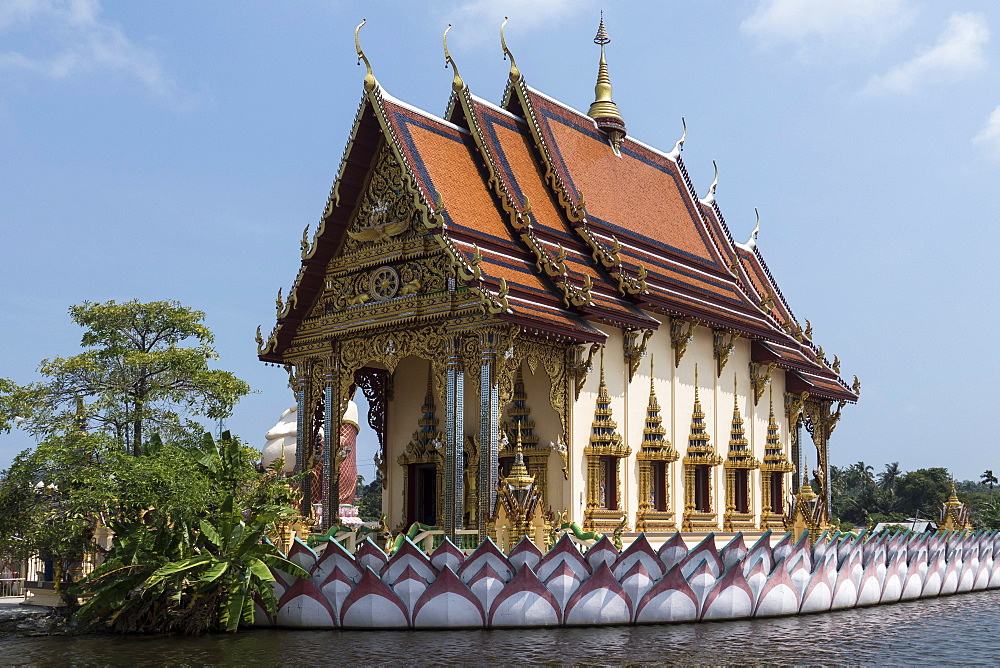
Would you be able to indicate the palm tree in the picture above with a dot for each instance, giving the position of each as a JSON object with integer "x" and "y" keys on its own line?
{"x": 887, "y": 479}
{"x": 860, "y": 476}
{"x": 989, "y": 479}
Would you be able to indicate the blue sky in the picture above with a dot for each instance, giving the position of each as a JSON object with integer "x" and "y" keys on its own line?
{"x": 175, "y": 150}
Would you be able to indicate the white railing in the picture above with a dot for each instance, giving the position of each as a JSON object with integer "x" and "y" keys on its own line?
{"x": 11, "y": 587}
{"x": 428, "y": 540}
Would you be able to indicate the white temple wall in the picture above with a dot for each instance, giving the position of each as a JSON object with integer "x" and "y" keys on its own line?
{"x": 629, "y": 400}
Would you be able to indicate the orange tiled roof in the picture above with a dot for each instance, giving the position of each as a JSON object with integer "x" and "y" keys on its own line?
{"x": 641, "y": 203}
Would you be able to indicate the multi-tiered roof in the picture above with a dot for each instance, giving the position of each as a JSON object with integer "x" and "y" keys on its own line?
{"x": 560, "y": 220}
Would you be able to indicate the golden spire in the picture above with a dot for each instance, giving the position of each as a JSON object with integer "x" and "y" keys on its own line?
{"x": 953, "y": 499}
{"x": 739, "y": 450}
{"x": 774, "y": 458}
{"x": 652, "y": 378}
{"x": 699, "y": 444}
{"x": 369, "y": 77}
{"x": 654, "y": 434}
{"x": 457, "y": 84}
{"x": 519, "y": 477}
{"x": 806, "y": 492}
{"x": 603, "y": 430}
{"x": 515, "y": 74}
{"x": 604, "y": 110}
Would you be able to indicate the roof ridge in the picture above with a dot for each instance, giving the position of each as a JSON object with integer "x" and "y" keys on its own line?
{"x": 426, "y": 114}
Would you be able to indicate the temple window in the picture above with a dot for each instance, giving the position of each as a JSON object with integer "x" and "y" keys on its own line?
{"x": 604, "y": 456}
{"x": 699, "y": 461}
{"x": 654, "y": 457}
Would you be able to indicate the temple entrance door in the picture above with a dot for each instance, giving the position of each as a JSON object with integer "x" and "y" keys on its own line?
{"x": 421, "y": 506}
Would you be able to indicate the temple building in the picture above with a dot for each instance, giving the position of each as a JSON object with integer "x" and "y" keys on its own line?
{"x": 525, "y": 277}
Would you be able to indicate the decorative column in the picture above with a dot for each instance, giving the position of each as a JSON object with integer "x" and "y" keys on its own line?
{"x": 454, "y": 455}
{"x": 331, "y": 449}
{"x": 489, "y": 402}
{"x": 793, "y": 414}
{"x": 303, "y": 436}
{"x": 821, "y": 420}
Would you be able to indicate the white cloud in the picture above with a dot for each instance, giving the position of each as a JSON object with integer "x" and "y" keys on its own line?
{"x": 78, "y": 40}
{"x": 824, "y": 25}
{"x": 958, "y": 52}
{"x": 988, "y": 138}
{"x": 476, "y": 18}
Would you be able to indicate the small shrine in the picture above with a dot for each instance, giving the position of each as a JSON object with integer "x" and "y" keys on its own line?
{"x": 954, "y": 515}
{"x": 807, "y": 512}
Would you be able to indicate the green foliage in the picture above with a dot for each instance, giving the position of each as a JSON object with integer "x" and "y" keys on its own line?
{"x": 895, "y": 528}
{"x": 144, "y": 369}
{"x": 48, "y": 496}
{"x": 177, "y": 571}
{"x": 989, "y": 479}
{"x": 862, "y": 498}
{"x": 923, "y": 491}
{"x": 370, "y": 495}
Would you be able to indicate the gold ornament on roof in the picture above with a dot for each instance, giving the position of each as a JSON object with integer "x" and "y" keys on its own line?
{"x": 369, "y": 77}
{"x": 515, "y": 74}
{"x": 457, "y": 84}
{"x": 385, "y": 211}
{"x": 604, "y": 110}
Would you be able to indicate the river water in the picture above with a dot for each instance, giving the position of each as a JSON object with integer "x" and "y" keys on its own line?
{"x": 962, "y": 629}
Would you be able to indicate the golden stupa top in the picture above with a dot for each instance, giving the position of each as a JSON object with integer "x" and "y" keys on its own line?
{"x": 519, "y": 477}
{"x": 603, "y": 106}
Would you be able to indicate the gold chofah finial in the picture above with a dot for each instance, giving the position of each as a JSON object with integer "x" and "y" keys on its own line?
{"x": 604, "y": 110}
{"x": 457, "y": 84}
{"x": 515, "y": 74}
{"x": 369, "y": 77}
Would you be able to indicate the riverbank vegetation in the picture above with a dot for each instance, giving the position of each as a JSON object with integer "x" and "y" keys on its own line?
{"x": 120, "y": 453}
{"x": 864, "y": 497}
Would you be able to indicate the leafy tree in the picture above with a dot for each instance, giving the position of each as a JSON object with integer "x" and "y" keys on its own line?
{"x": 46, "y": 499}
{"x": 144, "y": 369}
{"x": 923, "y": 491}
{"x": 370, "y": 495}
{"x": 53, "y": 498}
{"x": 169, "y": 572}
{"x": 987, "y": 513}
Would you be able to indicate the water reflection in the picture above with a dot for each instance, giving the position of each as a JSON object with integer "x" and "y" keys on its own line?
{"x": 951, "y": 630}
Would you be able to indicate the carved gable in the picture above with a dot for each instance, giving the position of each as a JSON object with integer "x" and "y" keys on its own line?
{"x": 386, "y": 214}
{"x": 390, "y": 268}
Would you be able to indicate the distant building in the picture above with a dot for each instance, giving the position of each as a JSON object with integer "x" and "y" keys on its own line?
{"x": 914, "y": 524}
